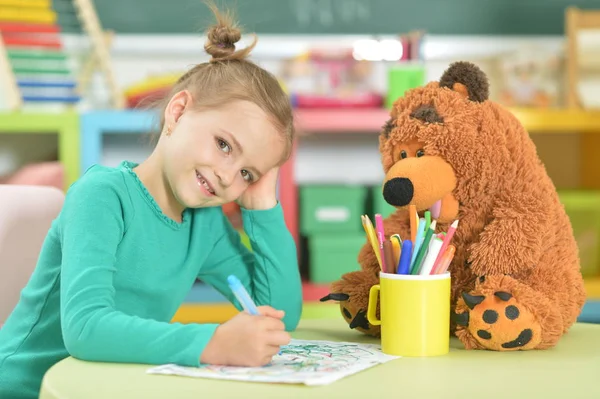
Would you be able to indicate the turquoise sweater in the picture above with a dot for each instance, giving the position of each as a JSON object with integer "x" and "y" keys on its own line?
{"x": 114, "y": 269}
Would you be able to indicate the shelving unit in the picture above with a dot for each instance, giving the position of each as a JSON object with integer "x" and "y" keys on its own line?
{"x": 64, "y": 125}
{"x": 96, "y": 124}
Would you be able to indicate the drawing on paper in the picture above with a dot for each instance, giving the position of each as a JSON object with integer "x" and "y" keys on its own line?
{"x": 301, "y": 362}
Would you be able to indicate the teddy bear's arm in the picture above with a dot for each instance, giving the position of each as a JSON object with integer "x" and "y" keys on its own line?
{"x": 512, "y": 241}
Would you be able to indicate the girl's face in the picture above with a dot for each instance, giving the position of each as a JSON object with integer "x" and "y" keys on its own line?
{"x": 212, "y": 156}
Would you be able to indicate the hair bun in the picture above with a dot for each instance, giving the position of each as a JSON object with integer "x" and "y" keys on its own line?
{"x": 221, "y": 41}
{"x": 222, "y": 37}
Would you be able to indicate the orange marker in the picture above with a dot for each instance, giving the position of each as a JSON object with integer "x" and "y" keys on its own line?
{"x": 414, "y": 222}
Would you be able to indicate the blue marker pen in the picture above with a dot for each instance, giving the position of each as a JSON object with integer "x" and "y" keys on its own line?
{"x": 242, "y": 295}
{"x": 404, "y": 263}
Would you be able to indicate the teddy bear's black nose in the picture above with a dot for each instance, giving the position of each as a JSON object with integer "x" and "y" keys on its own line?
{"x": 398, "y": 191}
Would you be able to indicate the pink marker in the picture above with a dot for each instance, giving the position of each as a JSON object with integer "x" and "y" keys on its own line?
{"x": 445, "y": 244}
{"x": 381, "y": 239}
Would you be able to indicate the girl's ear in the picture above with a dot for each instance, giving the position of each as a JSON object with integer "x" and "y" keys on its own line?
{"x": 176, "y": 106}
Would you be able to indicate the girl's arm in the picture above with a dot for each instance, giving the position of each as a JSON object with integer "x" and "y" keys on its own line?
{"x": 270, "y": 272}
{"x": 92, "y": 226}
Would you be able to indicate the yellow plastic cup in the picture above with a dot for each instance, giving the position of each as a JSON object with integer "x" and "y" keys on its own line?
{"x": 414, "y": 313}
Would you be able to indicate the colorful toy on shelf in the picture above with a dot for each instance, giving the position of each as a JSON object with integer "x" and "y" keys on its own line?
{"x": 32, "y": 55}
{"x": 150, "y": 89}
{"x": 33, "y": 61}
{"x": 324, "y": 78}
{"x": 153, "y": 88}
{"x": 530, "y": 77}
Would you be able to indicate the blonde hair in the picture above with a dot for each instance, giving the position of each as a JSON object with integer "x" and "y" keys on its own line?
{"x": 228, "y": 76}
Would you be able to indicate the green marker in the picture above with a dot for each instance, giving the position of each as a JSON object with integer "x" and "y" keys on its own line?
{"x": 427, "y": 220}
{"x": 423, "y": 250}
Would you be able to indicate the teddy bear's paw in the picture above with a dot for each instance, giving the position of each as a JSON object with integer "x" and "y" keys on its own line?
{"x": 354, "y": 316}
{"x": 495, "y": 322}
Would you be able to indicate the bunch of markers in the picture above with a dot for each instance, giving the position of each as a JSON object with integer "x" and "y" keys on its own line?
{"x": 424, "y": 253}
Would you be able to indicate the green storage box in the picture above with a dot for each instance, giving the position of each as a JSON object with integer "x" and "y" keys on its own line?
{"x": 583, "y": 208}
{"x": 401, "y": 79}
{"x": 331, "y": 209}
{"x": 379, "y": 204}
{"x": 332, "y": 255}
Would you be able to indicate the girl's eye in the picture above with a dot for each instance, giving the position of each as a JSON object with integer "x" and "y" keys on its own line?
{"x": 420, "y": 153}
{"x": 403, "y": 154}
{"x": 224, "y": 146}
{"x": 247, "y": 175}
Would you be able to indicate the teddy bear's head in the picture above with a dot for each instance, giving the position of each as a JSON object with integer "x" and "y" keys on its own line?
{"x": 436, "y": 146}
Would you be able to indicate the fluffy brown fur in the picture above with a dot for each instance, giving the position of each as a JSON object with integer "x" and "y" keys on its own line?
{"x": 516, "y": 282}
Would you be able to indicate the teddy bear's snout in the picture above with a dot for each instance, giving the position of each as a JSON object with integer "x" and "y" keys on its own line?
{"x": 427, "y": 182}
{"x": 398, "y": 191}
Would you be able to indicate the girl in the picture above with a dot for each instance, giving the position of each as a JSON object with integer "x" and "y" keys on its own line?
{"x": 130, "y": 241}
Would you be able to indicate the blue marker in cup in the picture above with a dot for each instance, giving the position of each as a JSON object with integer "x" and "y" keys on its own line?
{"x": 405, "y": 257}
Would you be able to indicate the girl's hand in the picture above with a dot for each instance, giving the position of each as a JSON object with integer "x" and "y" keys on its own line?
{"x": 262, "y": 194}
{"x": 246, "y": 340}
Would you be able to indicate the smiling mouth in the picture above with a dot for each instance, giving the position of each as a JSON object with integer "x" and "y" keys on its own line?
{"x": 522, "y": 340}
{"x": 202, "y": 182}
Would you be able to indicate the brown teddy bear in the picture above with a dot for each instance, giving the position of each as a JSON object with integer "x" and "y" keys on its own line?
{"x": 516, "y": 282}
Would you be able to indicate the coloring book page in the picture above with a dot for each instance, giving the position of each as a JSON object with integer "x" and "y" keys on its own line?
{"x": 301, "y": 362}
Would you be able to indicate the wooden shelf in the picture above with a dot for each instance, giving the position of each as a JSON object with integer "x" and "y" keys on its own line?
{"x": 311, "y": 121}
{"x": 64, "y": 124}
{"x": 592, "y": 287}
{"x": 205, "y": 305}
{"x": 558, "y": 120}
{"x": 221, "y": 312}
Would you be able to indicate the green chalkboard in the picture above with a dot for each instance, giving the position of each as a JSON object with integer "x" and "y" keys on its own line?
{"x": 441, "y": 17}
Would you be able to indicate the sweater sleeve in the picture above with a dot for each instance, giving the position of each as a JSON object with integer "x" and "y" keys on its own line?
{"x": 92, "y": 227}
{"x": 269, "y": 272}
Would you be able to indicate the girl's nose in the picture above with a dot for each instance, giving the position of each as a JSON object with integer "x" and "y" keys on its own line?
{"x": 225, "y": 177}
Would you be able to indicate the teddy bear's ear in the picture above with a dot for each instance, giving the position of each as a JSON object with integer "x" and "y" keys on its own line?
{"x": 467, "y": 79}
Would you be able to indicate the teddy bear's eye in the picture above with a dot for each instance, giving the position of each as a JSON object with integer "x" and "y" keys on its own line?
{"x": 420, "y": 153}
{"x": 403, "y": 154}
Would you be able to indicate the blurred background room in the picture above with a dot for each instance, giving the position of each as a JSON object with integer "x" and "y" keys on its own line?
{"x": 76, "y": 77}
